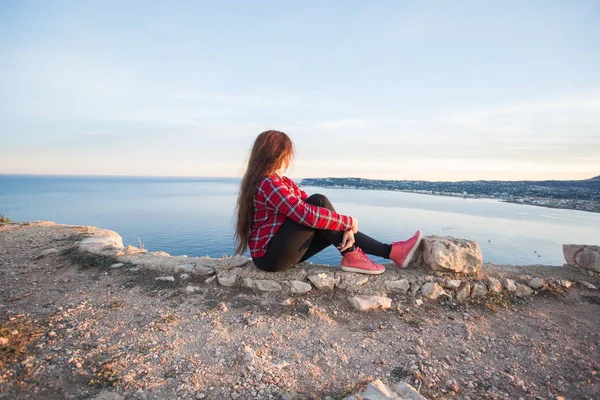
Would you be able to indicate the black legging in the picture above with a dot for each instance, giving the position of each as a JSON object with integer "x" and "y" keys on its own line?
{"x": 294, "y": 242}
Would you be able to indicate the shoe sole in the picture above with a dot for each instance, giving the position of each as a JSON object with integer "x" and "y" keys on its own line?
{"x": 361, "y": 271}
{"x": 412, "y": 251}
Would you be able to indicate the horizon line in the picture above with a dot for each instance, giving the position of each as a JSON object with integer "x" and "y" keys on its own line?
{"x": 328, "y": 177}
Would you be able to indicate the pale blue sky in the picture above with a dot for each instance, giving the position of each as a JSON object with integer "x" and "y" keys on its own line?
{"x": 446, "y": 90}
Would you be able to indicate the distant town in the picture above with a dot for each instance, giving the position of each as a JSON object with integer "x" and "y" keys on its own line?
{"x": 582, "y": 195}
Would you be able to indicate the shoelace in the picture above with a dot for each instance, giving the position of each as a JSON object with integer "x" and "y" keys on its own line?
{"x": 364, "y": 256}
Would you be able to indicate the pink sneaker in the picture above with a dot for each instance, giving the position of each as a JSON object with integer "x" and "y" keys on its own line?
{"x": 403, "y": 252}
{"x": 357, "y": 261}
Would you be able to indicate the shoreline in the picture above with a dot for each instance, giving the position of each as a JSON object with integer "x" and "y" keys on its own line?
{"x": 456, "y": 196}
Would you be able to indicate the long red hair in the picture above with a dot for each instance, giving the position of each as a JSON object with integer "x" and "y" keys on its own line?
{"x": 271, "y": 150}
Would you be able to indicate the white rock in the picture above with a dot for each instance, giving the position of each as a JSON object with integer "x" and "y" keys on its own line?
{"x": 463, "y": 292}
{"x": 509, "y": 285}
{"x": 227, "y": 280}
{"x": 299, "y": 287}
{"x": 161, "y": 254}
{"x": 536, "y": 283}
{"x": 232, "y": 262}
{"x": 478, "y": 290}
{"x": 202, "y": 270}
{"x": 211, "y": 279}
{"x": 165, "y": 278}
{"x": 494, "y": 285}
{"x": 401, "y": 286}
{"x": 184, "y": 276}
{"x": 116, "y": 265}
{"x": 377, "y": 390}
{"x": 184, "y": 268}
{"x": 192, "y": 289}
{"x": 267, "y": 285}
{"x": 365, "y": 302}
{"x": 452, "y": 254}
{"x": 418, "y": 302}
{"x": 587, "y": 285}
{"x": 523, "y": 290}
{"x": 582, "y": 256}
{"x": 324, "y": 281}
{"x": 432, "y": 290}
{"x": 452, "y": 284}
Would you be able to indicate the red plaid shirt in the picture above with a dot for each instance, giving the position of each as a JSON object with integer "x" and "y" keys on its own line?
{"x": 278, "y": 198}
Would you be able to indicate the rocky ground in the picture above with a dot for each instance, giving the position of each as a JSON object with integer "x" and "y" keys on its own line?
{"x": 72, "y": 327}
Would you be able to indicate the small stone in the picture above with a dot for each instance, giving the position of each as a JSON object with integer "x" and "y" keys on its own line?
{"x": 109, "y": 396}
{"x": 509, "y": 285}
{"x": 210, "y": 280}
{"x": 227, "y": 281}
{"x": 365, "y": 302}
{"x": 588, "y": 285}
{"x": 249, "y": 355}
{"x": 523, "y": 290}
{"x": 401, "y": 286}
{"x": 564, "y": 283}
{"x": 463, "y": 292}
{"x": 352, "y": 280}
{"x": 536, "y": 283}
{"x": 3, "y": 341}
{"x": 252, "y": 320}
{"x": 267, "y": 285}
{"x": 116, "y": 265}
{"x": 286, "y": 302}
{"x": 15, "y": 332}
{"x": 184, "y": 276}
{"x": 52, "y": 334}
{"x": 203, "y": 270}
{"x": 323, "y": 281}
{"x": 494, "y": 285}
{"x": 452, "y": 284}
{"x": 478, "y": 290}
{"x": 418, "y": 303}
{"x": 298, "y": 287}
{"x": 165, "y": 278}
{"x": 192, "y": 289}
{"x": 432, "y": 290}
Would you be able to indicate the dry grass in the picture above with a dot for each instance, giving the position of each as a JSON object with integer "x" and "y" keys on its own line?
{"x": 20, "y": 332}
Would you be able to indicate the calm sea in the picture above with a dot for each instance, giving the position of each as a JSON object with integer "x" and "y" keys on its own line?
{"x": 194, "y": 216}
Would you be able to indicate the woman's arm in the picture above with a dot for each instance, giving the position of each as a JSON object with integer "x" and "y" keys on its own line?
{"x": 281, "y": 198}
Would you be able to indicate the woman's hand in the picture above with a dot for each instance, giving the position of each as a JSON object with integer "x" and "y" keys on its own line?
{"x": 347, "y": 241}
{"x": 354, "y": 225}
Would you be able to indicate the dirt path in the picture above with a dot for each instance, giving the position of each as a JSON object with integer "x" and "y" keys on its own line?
{"x": 75, "y": 329}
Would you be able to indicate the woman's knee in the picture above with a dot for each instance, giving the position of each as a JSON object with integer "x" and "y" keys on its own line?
{"x": 320, "y": 200}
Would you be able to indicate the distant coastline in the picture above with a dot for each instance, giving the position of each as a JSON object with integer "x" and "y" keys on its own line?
{"x": 581, "y": 195}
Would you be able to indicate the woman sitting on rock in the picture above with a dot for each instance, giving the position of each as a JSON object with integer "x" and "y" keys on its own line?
{"x": 283, "y": 226}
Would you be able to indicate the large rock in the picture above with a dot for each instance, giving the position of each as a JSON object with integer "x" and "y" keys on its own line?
{"x": 364, "y": 302}
{"x": 582, "y": 256}
{"x": 324, "y": 281}
{"x": 377, "y": 390}
{"x": 452, "y": 254}
{"x": 401, "y": 286}
{"x": 432, "y": 290}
